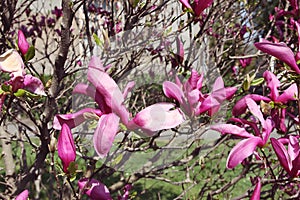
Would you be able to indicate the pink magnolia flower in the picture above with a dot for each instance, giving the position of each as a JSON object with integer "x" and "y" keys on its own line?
{"x": 279, "y": 100}
{"x": 22, "y": 42}
{"x": 288, "y": 158}
{"x": 248, "y": 145}
{"x": 198, "y": 6}
{"x": 125, "y": 196}
{"x": 107, "y": 94}
{"x": 11, "y": 62}
{"x": 66, "y": 147}
{"x": 188, "y": 95}
{"x": 213, "y": 101}
{"x": 256, "y": 192}
{"x": 279, "y": 50}
{"x": 245, "y": 62}
{"x": 94, "y": 189}
{"x": 23, "y": 195}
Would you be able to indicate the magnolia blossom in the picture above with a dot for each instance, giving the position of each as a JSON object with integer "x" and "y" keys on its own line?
{"x": 94, "y": 189}
{"x": 278, "y": 111}
{"x": 66, "y": 147}
{"x": 198, "y": 6}
{"x": 248, "y": 145}
{"x": 191, "y": 99}
{"x": 22, "y": 42}
{"x": 279, "y": 50}
{"x": 256, "y": 192}
{"x": 23, "y": 195}
{"x": 112, "y": 111}
{"x": 11, "y": 62}
{"x": 288, "y": 158}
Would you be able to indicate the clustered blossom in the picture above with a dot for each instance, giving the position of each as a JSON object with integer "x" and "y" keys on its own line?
{"x": 11, "y": 62}
{"x": 192, "y": 101}
{"x": 112, "y": 111}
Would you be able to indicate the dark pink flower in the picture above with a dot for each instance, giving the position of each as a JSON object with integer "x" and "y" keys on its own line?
{"x": 288, "y": 158}
{"x": 22, "y": 43}
{"x": 279, "y": 50}
{"x": 94, "y": 189}
{"x": 198, "y": 6}
{"x": 23, "y": 195}
{"x": 66, "y": 147}
{"x": 247, "y": 146}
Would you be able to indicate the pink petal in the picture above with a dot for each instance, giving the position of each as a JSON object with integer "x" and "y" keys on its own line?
{"x": 231, "y": 129}
{"x": 256, "y": 192}
{"x": 158, "y": 117}
{"x": 255, "y": 110}
{"x": 23, "y": 195}
{"x": 180, "y": 50}
{"x": 242, "y": 150}
{"x": 267, "y": 130}
{"x": 110, "y": 91}
{"x": 273, "y": 83}
{"x": 186, "y": 4}
{"x": 22, "y": 42}
{"x": 96, "y": 63}
{"x": 282, "y": 154}
{"x": 229, "y": 92}
{"x": 279, "y": 50}
{"x": 34, "y": 85}
{"x": 105, "y": 133}
{"x": 91, "y": 91}
{"x": 218, "y": 84}
{"x": 194, "y": 81}
{"x": 66, "y": 147}
{"x": 12, "y": 62}
{"x": 94, "y": 189}
{"x": 172, "y": 91}
{"x": 293, "y": 147}
{"x": 128, "y": 88}
{"x": 291, "y": 93}
{"x": 241, "y": 106}
{"x": 298, "y": 31}
{"x": 200, "y": 5}
{"x": 75, "y": 119}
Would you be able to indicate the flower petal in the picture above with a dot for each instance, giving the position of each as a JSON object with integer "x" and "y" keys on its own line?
{"x": 12, "y": 62}
{"x": 22, "y": 42}
{"x": 128, "y": 88}
{"x": 231, "y": 129}
{"x": 75, "y": 119}
{"x": 256, "y": 192}
{"x": 158, "y": 117}
{"x": 200, "y": 5}
{"x": 279, "y": 50}
{"x": 105, "y": 133}
{"x": 34, "y": 85}
{"x": 66, "y": 147}
{"x": 273, "y": 83}
{"x": 242, "y": 150}
{"x": 23, "y": 195}
{"x": 171, "y": 90}
{"x": 289, "y": 94}
{"x": 94, "y": 189}
{"x": 255, "y": 110}
{"x": 282, "y": 155}
{"x": 241, "y": 106}
{"x": 186, "y": 3}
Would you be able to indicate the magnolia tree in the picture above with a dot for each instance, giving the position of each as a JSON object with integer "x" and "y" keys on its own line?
{"x": 123, "y": 100}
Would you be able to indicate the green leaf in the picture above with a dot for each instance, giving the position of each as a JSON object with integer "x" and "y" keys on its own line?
{"x": 20, "y": 93}
{"x": 135, "y": 3}
{"x": 30, "y": 53}
{"x": 97, "y": 39}
{"x": 72, "y": 170}
{"x": 6, "y": 88}
{"x": 257, "y": 81}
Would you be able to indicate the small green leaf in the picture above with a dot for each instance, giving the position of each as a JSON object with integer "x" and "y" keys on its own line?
{"x": 257, "y": 81}
{"x": 30, "y": 53}
{"x": 20, "y": 93}
{"x": 118, "y": 159}
{"x": 6, "y": 88}
{"x": 135, "y": 3}
{"x": 97, "y": 39}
